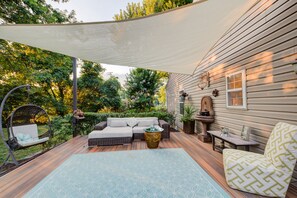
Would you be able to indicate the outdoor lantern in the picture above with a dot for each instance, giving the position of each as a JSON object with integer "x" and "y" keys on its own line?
{"x": 183, "y": 96}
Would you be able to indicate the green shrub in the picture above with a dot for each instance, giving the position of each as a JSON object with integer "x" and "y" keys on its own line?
{"x": 61, "y": 130}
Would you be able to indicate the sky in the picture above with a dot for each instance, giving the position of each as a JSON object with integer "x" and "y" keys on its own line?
{"x": 95, "y": 11}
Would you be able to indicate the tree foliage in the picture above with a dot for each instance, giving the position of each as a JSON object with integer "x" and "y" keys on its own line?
{"x": 96, "y": 94}
{"x": 89, "y": 85}
{"x": 110, "y": 94}
{"x": 20, "y": 64}
{"x": 33, "y": 12}
{"x": 148, "y": 7}
{"x": 141, "y": 87}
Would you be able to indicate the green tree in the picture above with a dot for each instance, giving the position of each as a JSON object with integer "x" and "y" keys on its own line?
{"x": 21, "y": 64}
{"x": 110, "y": 94}
{"x": 141, "y": 87}
{"x": 52, "y": 74}
{"x": 33, "y": 12}
{"x": 89, "y": 85}
{"x": 148, "y": 7}
{"x": 133, "y": 10}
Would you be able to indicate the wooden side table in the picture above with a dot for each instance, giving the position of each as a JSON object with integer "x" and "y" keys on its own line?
{"x": 231, "y": 139}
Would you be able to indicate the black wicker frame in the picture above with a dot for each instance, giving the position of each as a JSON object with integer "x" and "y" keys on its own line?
{"x": 138, "y": 136}
{"x": 109, "y": 141}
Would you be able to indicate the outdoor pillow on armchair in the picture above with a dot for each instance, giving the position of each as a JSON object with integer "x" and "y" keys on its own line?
{"x": 269, "y": 174}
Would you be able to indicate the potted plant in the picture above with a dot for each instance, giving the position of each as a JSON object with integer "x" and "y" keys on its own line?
{"x": 188, "y": 120}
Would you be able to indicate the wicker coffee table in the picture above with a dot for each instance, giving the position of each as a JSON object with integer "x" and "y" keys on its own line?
{"x": 152, "y": 136}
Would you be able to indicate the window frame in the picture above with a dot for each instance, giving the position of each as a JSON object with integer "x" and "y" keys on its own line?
{"x": 242, "y": 89}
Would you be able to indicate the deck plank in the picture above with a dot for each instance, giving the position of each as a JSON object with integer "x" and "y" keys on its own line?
{"x": 22, "y": 179}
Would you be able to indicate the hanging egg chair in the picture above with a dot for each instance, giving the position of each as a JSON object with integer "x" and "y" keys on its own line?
{"x": 27, "y": 126}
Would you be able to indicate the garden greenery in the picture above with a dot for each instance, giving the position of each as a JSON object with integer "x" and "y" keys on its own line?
{"x": 189, "y": 113}
{"x": 62, "y": 127}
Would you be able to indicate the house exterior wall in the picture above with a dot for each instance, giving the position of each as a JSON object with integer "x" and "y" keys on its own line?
{"x": 264, "y": 43}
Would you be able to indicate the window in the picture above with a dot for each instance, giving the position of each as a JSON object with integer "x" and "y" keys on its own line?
{"x": 181, "y": 105}
{"x": 236, "y": 90}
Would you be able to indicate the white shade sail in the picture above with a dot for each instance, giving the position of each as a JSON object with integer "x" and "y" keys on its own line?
{"x": 173, "y": 41}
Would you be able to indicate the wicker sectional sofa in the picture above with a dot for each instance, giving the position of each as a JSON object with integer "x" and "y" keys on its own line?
{"x": 116, "y": 131}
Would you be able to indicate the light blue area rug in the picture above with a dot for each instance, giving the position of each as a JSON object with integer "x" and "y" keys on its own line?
{"x": 124, "y": 174}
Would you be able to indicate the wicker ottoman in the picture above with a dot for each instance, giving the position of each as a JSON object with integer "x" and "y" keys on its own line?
{"x": 110, "y": 136}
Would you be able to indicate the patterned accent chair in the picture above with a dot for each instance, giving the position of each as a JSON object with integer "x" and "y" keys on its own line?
{"x": 269, "y": 174}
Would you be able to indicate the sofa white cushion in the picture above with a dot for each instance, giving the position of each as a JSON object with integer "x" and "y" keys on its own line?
{"x": 130, "y": 121}
{"x": 138, "y": 129}
{"x": 118, "y": 123}
{"x": 110, "y": 132}
{"x": 155, "y": 119}
{"x": 109, "y": 120}
{"x": 145, "y": 123}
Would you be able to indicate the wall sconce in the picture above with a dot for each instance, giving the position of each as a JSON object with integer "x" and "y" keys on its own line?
{"x": 204, "y": 81}
{"x": 183, "y": 95}
{"x": 294, "y": 64}
{"x": 215, "y": 92}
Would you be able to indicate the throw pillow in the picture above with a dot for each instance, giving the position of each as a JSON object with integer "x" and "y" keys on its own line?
{"x": 20, "y": 136}
{"x": 132, "y": 122}
{"x": 27, "y": 137}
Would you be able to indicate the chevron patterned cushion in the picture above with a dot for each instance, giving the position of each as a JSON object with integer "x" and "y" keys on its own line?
{"x": 267, "y": 174}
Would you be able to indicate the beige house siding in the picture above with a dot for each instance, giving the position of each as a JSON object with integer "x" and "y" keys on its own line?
{"x": 264, "y": 43}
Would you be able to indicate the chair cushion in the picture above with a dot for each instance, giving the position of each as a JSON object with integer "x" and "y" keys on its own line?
{"x": 138, "y": 129}
{"x": 110, "y": 132}
{"x": 254, "y": 173}
{"x": 281, "y": 146}
{"x": 118, "y": 123}
{"x": 30, "y": 129}
{"x": 33, "y": 141}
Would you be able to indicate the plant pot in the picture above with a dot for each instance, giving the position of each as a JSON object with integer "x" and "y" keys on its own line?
{"x": 189, "y": 127}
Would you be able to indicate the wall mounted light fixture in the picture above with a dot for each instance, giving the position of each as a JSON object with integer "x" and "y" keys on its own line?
{"x": 215, "y": 92}
{"x": 183, "y": 95}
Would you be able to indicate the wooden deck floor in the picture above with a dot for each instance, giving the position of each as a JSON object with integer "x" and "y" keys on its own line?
{"x": 22, "y": 179}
